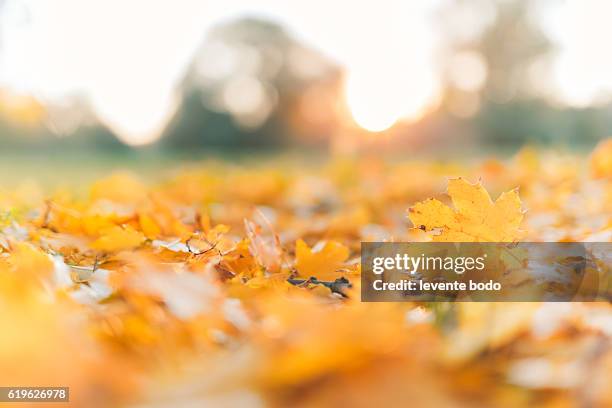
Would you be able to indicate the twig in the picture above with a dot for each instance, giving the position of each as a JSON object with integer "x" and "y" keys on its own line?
{"x": 336, "y": 286}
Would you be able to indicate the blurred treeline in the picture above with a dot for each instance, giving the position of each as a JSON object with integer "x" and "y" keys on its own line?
{"x": 252, "y": 84}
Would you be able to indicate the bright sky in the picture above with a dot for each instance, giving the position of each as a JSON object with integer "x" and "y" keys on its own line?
{"x": 127, "y": 56}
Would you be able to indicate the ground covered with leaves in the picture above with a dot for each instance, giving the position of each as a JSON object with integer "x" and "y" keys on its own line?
{"x": 239, "y": 285}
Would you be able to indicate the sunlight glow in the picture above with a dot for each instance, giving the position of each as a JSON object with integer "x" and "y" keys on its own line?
{"x": 393, "y": 75}
{"x": 127, "y": 58}
{"x": 370, "y": 105}
{"x": 377, "y": 100}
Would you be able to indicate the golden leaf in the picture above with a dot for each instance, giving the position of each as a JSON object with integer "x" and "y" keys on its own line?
{"x": 148, "y": 226}
{"x": 117, "y": 238}
{"x": 322, "y": 261}
{"x": 475, "y": 218}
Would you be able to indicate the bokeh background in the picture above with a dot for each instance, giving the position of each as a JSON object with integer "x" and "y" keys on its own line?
{"x": 265, "y": 141}
{"x": 85, "y": 79}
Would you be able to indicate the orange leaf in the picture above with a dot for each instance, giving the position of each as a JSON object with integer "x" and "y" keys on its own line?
{"x": 322, "y": 261}
{"x": 117, "y": 239}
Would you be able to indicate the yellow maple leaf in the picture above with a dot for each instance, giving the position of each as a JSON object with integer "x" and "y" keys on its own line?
{"x": 118, "y": 238}
{"x": 148, "y": 226}
{"x": 322, "y": 262}
{"x": 475, "y": 218}
{"x": 93, "y": 224}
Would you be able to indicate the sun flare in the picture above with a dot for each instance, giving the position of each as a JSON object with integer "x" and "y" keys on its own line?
{"x": 378, "y": 100}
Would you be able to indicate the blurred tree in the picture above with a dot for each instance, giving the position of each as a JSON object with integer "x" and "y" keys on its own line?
{"x": 26, "y": 124}
{"x": 243, "y": 87}
{"x": 497, "y": 78}
{"x": 510, "y": 47}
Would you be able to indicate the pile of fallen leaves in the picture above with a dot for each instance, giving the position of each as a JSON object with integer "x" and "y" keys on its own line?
{"x": 238, "y": 285}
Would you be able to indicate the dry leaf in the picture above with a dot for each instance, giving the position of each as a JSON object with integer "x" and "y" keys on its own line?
{"x": 323, "y": 261}
{"x": 475, "y": 216}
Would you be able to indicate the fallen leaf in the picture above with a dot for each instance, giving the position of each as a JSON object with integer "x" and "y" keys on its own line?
{"x": 117, "y": 239}
{"x": 475, "y": 218}
{"x": 322, "y": 261}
